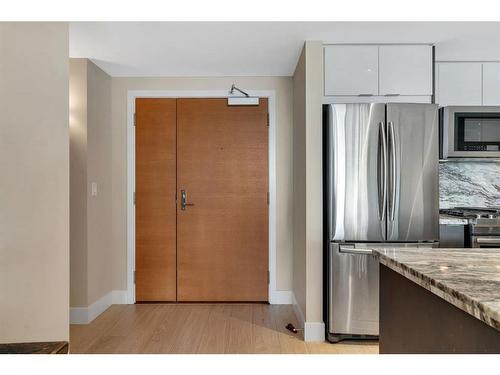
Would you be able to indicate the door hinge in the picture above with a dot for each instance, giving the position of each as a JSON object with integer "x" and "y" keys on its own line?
{"x": 134, "y": 197}
{"x": 268, "y": 119}
{"x": 268, "y": 278}
{"x": 268, "y": 198}
{"x": 135, "y": 119}
{"x": 134, "y": 277}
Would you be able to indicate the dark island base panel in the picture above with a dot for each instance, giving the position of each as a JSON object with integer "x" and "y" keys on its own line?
{"x": 414, "y": 320}
{"x": 57, "y": 347}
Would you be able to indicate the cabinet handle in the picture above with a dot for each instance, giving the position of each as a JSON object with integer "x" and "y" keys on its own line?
{"x": 392, "y": 94}
{"x": 488, "y": 240}
{"x": 365, "y": 94}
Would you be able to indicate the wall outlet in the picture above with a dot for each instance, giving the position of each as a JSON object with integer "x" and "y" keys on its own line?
{"x": 93, "y": 189}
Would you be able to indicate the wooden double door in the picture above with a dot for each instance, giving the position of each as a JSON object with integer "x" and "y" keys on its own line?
{"x": 201, "y": 200}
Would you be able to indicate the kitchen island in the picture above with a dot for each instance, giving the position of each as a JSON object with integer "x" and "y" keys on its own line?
{"x": 439, "y": 300}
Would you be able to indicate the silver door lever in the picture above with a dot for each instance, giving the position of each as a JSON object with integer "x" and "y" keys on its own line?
{"x": 184, "y": 202}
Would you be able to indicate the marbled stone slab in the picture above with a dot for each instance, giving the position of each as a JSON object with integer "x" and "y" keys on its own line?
{"x": 469, "y": 184}
{"x": 467, "y": 278}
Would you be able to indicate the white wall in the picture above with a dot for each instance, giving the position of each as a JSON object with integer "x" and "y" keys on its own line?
{"x": 308, "y": 193}
{"x": 34, "y": 189}
{"x": 283, "y": 89}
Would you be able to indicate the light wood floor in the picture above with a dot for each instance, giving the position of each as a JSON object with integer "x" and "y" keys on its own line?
{"x": 200, "y": 328}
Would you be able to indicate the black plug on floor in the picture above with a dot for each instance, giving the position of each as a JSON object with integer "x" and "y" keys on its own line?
{"x": 292, "y": 328}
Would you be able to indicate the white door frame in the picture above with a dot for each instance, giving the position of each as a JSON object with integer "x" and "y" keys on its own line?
{"x": 275, "y": 297}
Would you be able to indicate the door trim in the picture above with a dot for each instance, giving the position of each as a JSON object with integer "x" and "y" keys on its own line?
{"x": 275, "y": 296}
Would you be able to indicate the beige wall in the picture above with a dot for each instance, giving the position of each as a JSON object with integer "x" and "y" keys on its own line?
{"x": 299, "y": 182}
{"x": 78, "y": 181}
{"x": 307, "y": 184}
{"x": 90, "y": 149}
{"x": 314, "y": 181}
{"x": 34, "y": 193}
{"x": 99, "y": 220}
{"x": 283, "y": 88}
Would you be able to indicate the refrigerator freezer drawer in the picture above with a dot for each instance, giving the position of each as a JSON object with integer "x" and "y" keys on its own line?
{"x": 353, "y": 300}
{"x": 353, "y": 287}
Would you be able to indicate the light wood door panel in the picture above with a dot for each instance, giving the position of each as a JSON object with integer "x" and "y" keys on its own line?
{"x": 155, "y": 210}
{"x": 222, "y": 164}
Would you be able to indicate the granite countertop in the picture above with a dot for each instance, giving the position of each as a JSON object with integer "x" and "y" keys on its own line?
{"x": 467, "y": 278}
{"x": 452, "y": 220}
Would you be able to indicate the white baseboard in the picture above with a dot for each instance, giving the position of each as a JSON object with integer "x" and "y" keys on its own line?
{"x": 119, "y": 297}
{"x": 84, "y": 315}
{"x": 313, "y": 331}
{"x": 281, "y": 297}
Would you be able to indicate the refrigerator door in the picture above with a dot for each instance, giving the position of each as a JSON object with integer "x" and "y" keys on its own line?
{"x": 413, "y": 145}
{"x": 356, "y": 165}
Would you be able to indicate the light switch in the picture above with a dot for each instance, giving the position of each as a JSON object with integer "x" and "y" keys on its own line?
{"x": 94, "y": 188}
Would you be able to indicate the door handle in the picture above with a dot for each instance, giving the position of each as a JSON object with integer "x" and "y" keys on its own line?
{"x": 353, "y": 250}
{"x": 488, "y": 240}
{"x": 382, "y": 180}
{"x": 393, "y": 170}
{"x": 184, "y": 202}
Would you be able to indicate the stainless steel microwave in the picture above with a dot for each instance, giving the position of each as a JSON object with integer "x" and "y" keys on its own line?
{"x": 469, "y": 132}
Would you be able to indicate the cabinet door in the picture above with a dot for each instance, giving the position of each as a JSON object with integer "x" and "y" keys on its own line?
{"x": 351, "y": 70}
{"x": 405, "y": 70}
{"x": 458, "y": 84}
{"x": 491, "y": 83}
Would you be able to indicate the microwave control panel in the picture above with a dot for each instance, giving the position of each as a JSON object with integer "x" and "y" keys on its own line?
{"x": 480, "y": 148}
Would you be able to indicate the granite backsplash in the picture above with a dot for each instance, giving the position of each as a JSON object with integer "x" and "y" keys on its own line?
{"x": 469, "y": 184}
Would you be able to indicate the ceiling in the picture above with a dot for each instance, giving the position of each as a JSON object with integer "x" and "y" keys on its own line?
{"x": 258, "y": 48}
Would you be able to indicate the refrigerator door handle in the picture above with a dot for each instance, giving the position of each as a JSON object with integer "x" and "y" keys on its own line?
{"x": 382, "y": 173}
{"x": 354, "y": 250}
{"x": 393, "y": 170}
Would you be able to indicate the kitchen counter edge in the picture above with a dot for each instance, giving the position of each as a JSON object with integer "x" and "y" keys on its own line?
{"x": 457, "y": 298}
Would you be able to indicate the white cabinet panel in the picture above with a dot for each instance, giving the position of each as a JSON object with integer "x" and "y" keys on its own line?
{"x": 405, "y": 70}
{"x": 351, "y": 70}
{"x": 491, "y": 83}
{"x": 458, "y": 84}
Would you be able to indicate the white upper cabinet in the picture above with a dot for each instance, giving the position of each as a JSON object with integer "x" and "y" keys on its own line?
{"x": 491, "y": 83}
{"x": 405, "y": 70}
{"x": 373, "y": 70}
{"x": 458, "y": 84}
{"x": 351, "y": 70}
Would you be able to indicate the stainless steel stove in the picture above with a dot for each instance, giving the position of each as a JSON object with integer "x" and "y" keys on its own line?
{"x": 483, "y": 229}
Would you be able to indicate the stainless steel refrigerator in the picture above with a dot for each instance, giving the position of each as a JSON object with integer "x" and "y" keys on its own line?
{"x": 381, "y": 189}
